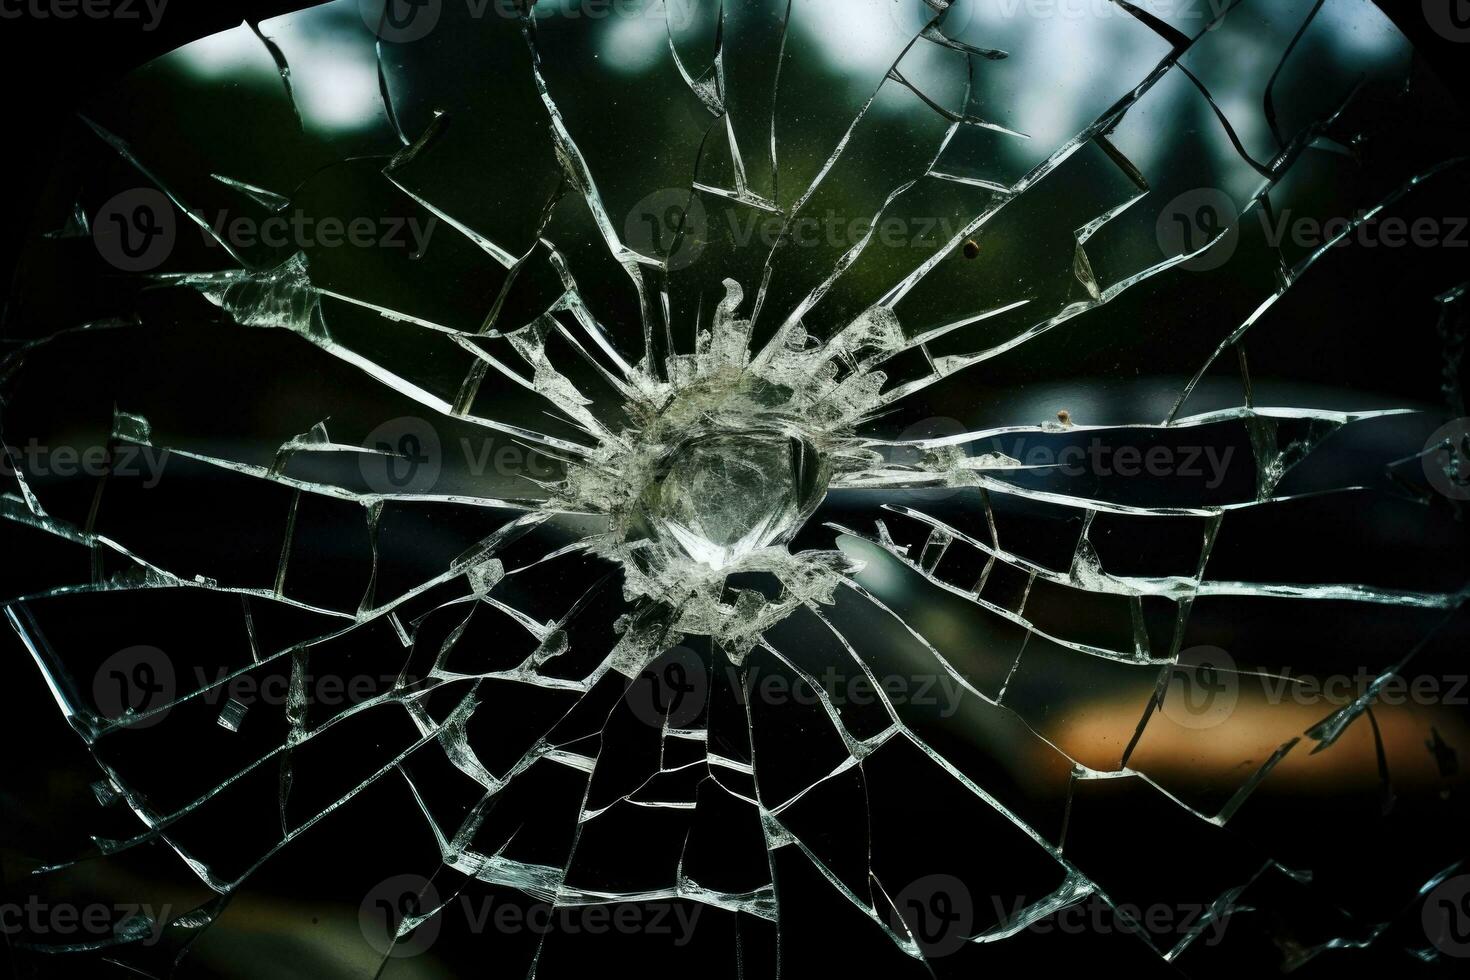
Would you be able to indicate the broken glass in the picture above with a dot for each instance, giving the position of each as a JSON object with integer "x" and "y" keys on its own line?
{"x": 761, "y": 488}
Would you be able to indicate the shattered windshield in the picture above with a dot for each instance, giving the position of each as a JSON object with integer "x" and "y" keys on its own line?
{"x": 744, "y": 488}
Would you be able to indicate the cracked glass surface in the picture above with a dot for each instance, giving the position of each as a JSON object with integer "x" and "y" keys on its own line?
{"x": 767, "y": 488}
